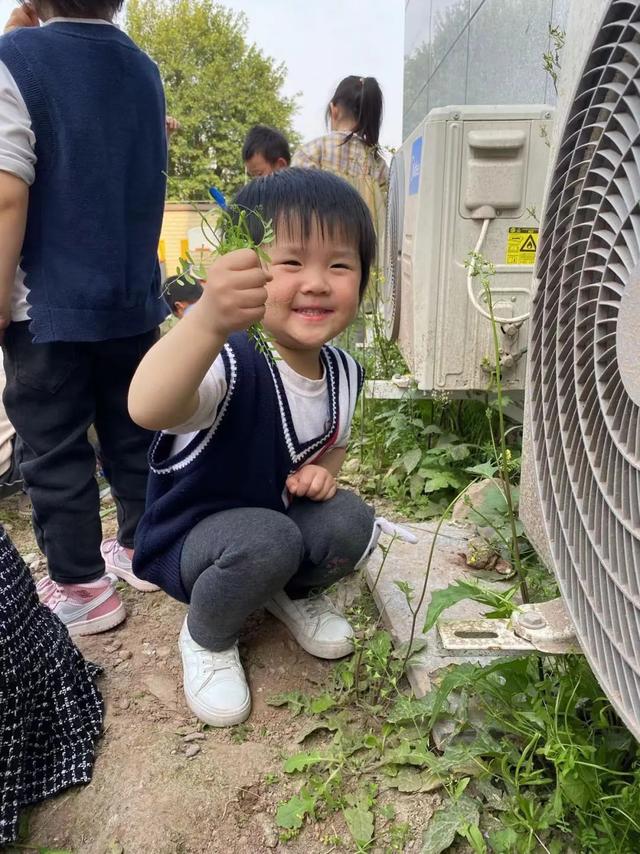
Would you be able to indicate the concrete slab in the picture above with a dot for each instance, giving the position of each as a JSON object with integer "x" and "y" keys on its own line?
{"x": 406, "y": 562}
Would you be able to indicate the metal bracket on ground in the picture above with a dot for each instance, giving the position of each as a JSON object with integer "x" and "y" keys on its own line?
{"x": 542, "y": 627}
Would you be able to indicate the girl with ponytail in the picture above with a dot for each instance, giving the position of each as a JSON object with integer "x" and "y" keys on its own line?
{"x": 351, "y": 149}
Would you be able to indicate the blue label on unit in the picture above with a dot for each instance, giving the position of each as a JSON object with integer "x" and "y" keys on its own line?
{"x": 416, "y": 163}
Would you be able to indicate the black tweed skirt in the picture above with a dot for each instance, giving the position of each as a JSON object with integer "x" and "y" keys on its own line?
{"x": 50, "y": 709}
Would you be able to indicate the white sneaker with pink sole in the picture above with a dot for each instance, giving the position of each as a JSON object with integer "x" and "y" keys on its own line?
{"x": 85, "y": 609}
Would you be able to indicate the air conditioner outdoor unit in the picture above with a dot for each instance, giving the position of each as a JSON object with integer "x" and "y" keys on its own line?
{"x": 580, "y": 489}
{"x": 580, "y": 496}
{"x": 465, "y": 173}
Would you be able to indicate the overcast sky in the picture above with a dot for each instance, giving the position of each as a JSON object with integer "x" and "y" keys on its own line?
{"x": 320, "y": 43}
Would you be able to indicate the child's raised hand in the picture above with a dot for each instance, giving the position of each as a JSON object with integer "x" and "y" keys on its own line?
{"x": 23, "y": 16}
{"x": 313, "y": 482}
{"x": 235, "y": 293}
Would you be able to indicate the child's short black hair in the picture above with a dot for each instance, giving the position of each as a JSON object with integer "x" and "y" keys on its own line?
{"x": 297, "y": 198}
{"x": 81, "y": 8}
{"x": 268, "y": 142}
{"x": 178, "y": 289}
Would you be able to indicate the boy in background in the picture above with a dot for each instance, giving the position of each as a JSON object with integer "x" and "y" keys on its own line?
{"x": 83, "y": 151}
{"x": 265, "y": 150}
{"x": 179, "y": 294}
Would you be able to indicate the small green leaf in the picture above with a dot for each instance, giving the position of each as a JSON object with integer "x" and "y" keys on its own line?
{"x": 442, "y": 599}
{"x": 442, "y": 480}
{"x": 459, "y": 452}
{"x": 292, "y": 813}
{"x": 461, "y": 785}
{"x": 473, "y": 835}
{"x": 295, "y": 701}
{"x": 411, "y": 459}
{"x": 446, "y": 822}
{"x": 411, "y": 780}
{"x": 380, "y": 644}
{"x": 492, "y": 508}
{"x": 359, "y": 819}
{"x": 345, "y": 675}
{"x": 388, "y": 811}
{"x": 321, "y": 704}
{"x": 504, "y": 841}
{"x": 302, "y": 761}
{"x": 406, "y": 589}
{"x": 410, "y": 710}
{"x": 487, "y": 469}
{"x": 312, "y": 728}
{"x": 416, "y": 485}
{"x": 440, "y": 832}
{"x": 495, "y": 403}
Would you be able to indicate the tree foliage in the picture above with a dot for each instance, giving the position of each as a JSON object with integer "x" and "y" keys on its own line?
{"x": 217, "y": 85}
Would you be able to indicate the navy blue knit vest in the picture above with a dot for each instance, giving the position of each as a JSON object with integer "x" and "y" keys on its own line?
{"x": 95, "y": 209}
{"x": 242, "y": 460}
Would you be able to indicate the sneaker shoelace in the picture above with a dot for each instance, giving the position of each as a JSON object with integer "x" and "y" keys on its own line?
{"x": 317, "y": 606}
{"x": 54, "y": 592}
{"x": 216, "y": 662}
{"x": 44, "y": 584}
{"x": 110, "y": 545}
{"x": 47, "y": 589}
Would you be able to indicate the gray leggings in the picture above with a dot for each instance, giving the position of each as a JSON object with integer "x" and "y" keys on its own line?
{"x": 234, "y": 561}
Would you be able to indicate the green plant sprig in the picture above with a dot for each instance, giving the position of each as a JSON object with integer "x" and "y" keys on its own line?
{"x": 233, "y": 233}
{"x": 484, "y": 270}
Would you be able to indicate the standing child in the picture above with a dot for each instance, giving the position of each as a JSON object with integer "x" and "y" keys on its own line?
{"x": 83, "y": 149}
{"x": 351, "y": 149}
{"x": 243, "y": 510}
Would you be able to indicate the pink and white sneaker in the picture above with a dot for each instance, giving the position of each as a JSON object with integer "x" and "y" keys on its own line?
{"x": 117, "y": 559}
{"x": 85, "y": 609}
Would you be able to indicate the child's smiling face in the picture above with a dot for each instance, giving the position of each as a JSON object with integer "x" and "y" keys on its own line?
{"x": 314, "y": 294}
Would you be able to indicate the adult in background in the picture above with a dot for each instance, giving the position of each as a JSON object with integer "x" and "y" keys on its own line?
{"x": 351, "y": 149}
{"x": 83, "y": 151}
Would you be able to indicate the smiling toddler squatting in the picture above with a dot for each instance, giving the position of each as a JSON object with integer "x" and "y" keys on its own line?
{"x": 243, "y": 510}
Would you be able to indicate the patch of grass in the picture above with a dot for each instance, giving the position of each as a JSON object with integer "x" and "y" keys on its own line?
{"x": 550, "y": 767}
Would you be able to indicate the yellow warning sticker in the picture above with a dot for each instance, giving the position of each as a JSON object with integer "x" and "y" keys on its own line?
{"x": 521, "y": 245}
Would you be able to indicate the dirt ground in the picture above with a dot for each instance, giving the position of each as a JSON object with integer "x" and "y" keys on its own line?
{"x": 164, "y": 785}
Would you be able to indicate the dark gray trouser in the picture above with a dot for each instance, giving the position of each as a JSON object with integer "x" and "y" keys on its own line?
{"x": 234, "y": 561}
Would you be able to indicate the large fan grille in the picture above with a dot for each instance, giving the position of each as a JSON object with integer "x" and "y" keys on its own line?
{"x": 585, "y": 409}
{"x": 393, "y": 248}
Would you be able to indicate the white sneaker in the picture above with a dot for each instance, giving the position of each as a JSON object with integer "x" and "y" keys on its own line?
{"x": 215, "y": 686}
{"x": 315, "y": 623}
{"x": 117, "y": 561}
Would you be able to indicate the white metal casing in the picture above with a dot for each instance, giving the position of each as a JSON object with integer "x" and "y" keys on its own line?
{"x": 442, "y": 337}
